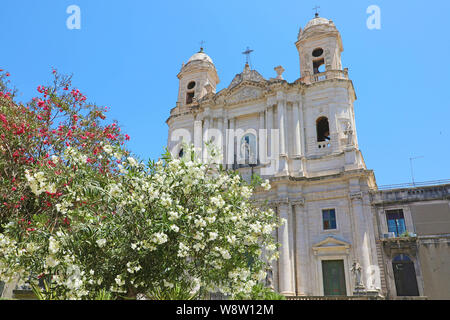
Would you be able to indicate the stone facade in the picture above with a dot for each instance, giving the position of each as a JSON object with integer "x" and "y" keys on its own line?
{"x": 301, "y": 136}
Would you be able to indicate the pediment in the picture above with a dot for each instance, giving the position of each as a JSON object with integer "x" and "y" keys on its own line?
{"x": 331, "y": 244}
{"x": 247, "y": 75}
{"x": 244, "y": 93}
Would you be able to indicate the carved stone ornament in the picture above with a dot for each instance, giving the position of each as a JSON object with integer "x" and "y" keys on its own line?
{"x": 244, "y": 94}
{"x": 298, "y": 201}
{"x": 356, "y": 195}
{"x": 278, "y": 202}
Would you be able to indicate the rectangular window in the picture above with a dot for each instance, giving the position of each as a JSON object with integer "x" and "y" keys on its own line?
{"x": 396, "y": 221}
{"x": 329, "y": 219}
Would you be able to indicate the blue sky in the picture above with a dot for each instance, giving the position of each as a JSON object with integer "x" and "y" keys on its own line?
{"x": 127, "y": 54}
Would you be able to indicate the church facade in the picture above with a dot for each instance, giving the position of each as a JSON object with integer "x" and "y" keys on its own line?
{"x": 302, "y": 137}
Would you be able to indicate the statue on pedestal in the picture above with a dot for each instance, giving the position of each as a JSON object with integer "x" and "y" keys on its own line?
{"x": 269, "y": 279}
{"x": 356, "y": 270}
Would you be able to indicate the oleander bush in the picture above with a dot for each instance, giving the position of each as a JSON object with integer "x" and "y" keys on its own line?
{"x": 85, "y": 220}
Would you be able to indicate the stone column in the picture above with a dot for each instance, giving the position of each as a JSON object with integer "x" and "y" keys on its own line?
{"x": 205, "y": 139}
{"x": 302, "y": 248}
{"x": 219, "y": 140}
{"x": 262, "y": 139}
{"x": 286, "y": 285}
{"x": 296, "y": 118}
{"x": 302, "y": 129}
{"x": 362, "y": 234}
{"x": 230, "y": 147}
{"x": 281, "y": 126}
{"x": 198, "y": 138}
{"x": 274, "y": 263}
{"x": 224, "y": 141}
{"x": 269, "y": 126}
{"x": 283, "y": 168}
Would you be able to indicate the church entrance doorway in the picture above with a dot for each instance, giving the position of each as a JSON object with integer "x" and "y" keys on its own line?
{"x": 333, "y": 278}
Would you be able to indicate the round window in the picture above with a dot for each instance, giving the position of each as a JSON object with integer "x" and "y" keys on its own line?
{"x": 317, "y": 52}
{"x": 191, "y": 85}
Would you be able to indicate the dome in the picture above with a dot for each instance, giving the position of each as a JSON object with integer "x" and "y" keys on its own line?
{"x": 201, "y": 56}
{"x": 317, "y": 21}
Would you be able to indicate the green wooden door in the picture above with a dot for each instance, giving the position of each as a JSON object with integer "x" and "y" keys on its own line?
{"x": 333, "y": 278}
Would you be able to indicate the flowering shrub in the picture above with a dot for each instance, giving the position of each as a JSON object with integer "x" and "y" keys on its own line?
{"x": 89, "y": 220}
{"x": 173, "y": 222}
{"x": 38, "y": 133}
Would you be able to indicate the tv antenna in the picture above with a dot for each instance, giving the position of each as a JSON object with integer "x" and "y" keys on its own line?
{"x": 411, "y": 165}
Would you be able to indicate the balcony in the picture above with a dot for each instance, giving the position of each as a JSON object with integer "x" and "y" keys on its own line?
{"x": 398, "y": 245}
{"x": 327, "y": 75}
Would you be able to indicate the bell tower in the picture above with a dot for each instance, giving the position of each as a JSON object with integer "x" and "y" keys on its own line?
{"x": 319, "y": 46}
{"x": 328, "y": 100}
{"x": 198, "y": 77}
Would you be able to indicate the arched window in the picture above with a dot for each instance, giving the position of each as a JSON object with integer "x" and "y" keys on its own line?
{"x": 190, "y": 97}
{"x": 323, "y": 129}
{"x": 181, "y": 153}
{"x": 401, "y": 258}
{"x": 248, "y": 149}
{"x": 405, "y": 276}
{"x": 319, "y": 66}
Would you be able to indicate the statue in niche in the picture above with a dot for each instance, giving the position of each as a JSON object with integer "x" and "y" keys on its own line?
{"x": 349, "y": 133}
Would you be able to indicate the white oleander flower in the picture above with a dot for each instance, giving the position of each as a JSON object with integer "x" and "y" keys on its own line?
{"x": 51, "y": 262}
{"x": 183, "y": 250}
{"x": 132, "y": 161}
{"x": 266, "y": 185}
{"x": 212, "y": 236}
{"x": 119, "y": 280}
{"x": 101, "y": 242}
{"x": 114, "y": 190}
{"x": 53, "y": 245}
{"x": 173, "y": 215}
{"x": 108, "y": 149}
{"x": 167, "y": 284}
{"x": 160, "y": 238}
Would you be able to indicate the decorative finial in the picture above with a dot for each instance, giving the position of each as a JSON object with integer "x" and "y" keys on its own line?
{"x": 279, "y": 70}
{"x": 317, "y": 12}
{"x": 201, "y": 45}
{"x": 247, "y": 53}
